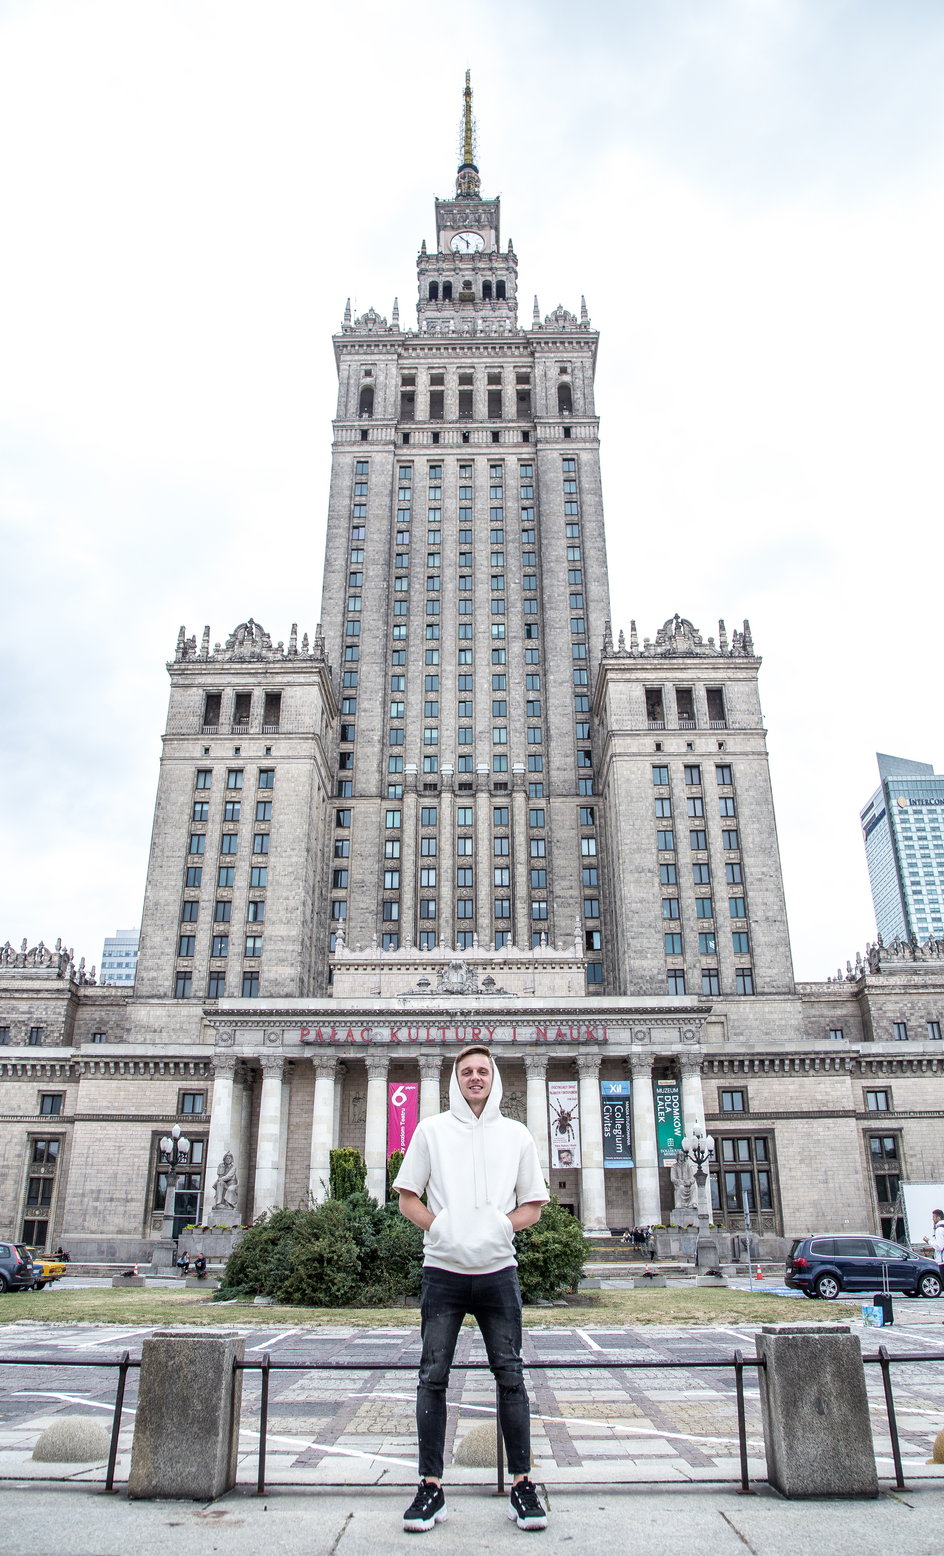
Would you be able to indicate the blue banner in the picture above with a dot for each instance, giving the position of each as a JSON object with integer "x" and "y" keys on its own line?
{"x": 617, "y": 1123}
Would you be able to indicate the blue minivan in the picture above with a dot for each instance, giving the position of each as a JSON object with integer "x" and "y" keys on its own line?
{"x": 825, "y": 1266}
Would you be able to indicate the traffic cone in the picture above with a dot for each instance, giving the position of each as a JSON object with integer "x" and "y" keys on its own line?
{"x": 135, "y": 1270}
{"x": 760, "y": 1274}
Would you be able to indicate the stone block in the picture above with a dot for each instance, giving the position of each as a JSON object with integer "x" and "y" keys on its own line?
{"x": 186, "y": 1430}
{"x": 128, "y": 1280}
{"x": 817, "y": 1428}
{"x": 647, "y": 1282}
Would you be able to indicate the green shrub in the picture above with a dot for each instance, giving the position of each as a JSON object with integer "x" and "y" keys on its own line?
{"x": 551, "y": 1254}
{"x": 349, "y": 1252}
{"x": 347, "y": 1173}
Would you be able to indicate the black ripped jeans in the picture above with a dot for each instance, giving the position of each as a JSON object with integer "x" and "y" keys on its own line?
{"x": 494, "y": 1301}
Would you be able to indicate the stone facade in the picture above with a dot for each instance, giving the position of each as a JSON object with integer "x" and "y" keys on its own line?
{"x": 450, "y": 817}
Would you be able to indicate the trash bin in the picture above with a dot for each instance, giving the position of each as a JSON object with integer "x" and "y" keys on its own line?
{"x": 883, "y": 1299}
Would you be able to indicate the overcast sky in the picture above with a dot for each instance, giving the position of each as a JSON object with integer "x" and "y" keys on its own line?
{"x": 747, "y": 191}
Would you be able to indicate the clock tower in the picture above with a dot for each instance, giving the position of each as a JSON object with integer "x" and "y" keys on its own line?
{"x": 468, "y": 287}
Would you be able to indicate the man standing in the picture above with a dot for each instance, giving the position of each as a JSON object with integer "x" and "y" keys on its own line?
{"x": 937, "y": 1217}
{"x": 483, "y": 1182}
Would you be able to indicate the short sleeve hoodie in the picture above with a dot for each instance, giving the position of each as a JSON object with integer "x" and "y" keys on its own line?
{"x": 474, "y": 1172}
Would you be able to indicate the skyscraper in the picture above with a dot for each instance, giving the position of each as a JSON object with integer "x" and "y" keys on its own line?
{"x": 465, "y": 596}
{"x": 903, "y": 831}
{"x": 119, "y": 956}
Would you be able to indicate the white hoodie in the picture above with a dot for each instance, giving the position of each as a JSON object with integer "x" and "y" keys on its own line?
{"x": 474, "y": 1172}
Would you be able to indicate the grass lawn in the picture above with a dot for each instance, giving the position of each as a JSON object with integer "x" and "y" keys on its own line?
{"x": 672, "y": 1305}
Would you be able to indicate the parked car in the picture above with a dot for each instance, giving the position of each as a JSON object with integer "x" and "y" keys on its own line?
{"x": 16, "y": 1267}
{"x": 825, "y": 1266}
{"x": 45, "y": 1268}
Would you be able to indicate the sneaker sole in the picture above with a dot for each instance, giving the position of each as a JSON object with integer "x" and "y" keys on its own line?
{"x": 527, "y": 1523}
{"x": 423, "y": 1525}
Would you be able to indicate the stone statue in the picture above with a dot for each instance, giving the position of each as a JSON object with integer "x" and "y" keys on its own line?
{"x": 226, "y": 1187}
{"x": 683, "y": 1183}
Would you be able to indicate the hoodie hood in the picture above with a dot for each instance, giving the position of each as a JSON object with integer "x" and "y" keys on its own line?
{"x": 491, "y": 1112}
{"x": 460, "y": 1109}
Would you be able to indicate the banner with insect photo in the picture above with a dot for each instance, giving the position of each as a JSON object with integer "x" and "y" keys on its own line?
{"x": 403, "y": 1108}
{"x": 564, "y": 1104}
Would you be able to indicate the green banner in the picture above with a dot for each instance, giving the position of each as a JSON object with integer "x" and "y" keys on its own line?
{"x": 669, "y": 1125}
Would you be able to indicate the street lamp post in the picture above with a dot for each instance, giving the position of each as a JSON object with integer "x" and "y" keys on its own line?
{"x": 699, "y": 1148}
{"x": 176, "y": 1147}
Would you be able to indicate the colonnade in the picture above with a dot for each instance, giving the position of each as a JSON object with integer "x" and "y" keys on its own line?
{"x": 229, "y": 1127}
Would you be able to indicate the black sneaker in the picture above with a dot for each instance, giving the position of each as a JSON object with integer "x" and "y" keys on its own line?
{"x": 427, "y": 1508}
{"x": 525, "y": 1508}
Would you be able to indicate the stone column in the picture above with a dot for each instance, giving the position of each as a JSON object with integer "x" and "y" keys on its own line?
{"x": 592, "y": 1187}
{"x": 648, "y": 1209}
{"x": 375, "y": 1135}
{"x": 693, "y": 1112}
{"x": 536, "y": 1070}
{"x": 283, "y": 1131}
{"x": 267, "y": 1142}
{"x": 430, "y": 1068}
{"x": 221, "y": 1129}
{"x": 244, "y": 1137}
{"x": 322, "y": 1126}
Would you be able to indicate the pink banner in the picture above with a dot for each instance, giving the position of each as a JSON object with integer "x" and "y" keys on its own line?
{"x": 403, "y": 1108}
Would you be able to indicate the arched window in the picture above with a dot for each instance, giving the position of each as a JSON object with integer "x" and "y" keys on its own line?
{"x": 367, "y": 400}
{"x": 499, "y": 289}
{"x": 434, "y": 291}
{"x": 565, "y": 400}
{"x": 447, "y": 291}
{"x": 486, "y": 290}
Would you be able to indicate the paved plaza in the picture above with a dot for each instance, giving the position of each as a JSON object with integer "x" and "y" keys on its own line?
{"x": 617, "y": 1424}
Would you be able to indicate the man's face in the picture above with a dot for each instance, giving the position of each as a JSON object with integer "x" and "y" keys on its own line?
{"x": 475, "y": 1080}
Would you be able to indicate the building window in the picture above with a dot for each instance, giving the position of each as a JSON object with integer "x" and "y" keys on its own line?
{"x": 35, "y": 1038}
{"x": 733, "y": 1101}
{"x": 670, "y": 907}
{"x": 886, "y": 1176}
{"x": 836, "y": 1034}
{"x": 216, "y": 985}
{"x": 710, "y": 980}
{"x": 250, "y": 985}
{"x": 204, "y": 778}
{"x": 743, "y": 980}
{"x": 673, "y": 944}
{"x": 191, "y": 1102}
{"x": 703, "y": 907}
{"x": 743, "y": 1179}
{"x": 878, "y": 1101}
{"x": 50, "y": 1103}
{"x": 934, "y": 1031}
{"x": 675, "y": 981}
{"x": 183, "y": 985}
{"x": 234, "y": 778}
{"x": 186, "y": 945}
{"x": 267, "y": 778}
{"x": 900, "y": 1031}
{"x": 692, "y": 775}
{"x": 660, "y": 775}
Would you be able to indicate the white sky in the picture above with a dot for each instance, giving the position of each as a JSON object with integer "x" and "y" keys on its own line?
{"x": 749, "y": 194}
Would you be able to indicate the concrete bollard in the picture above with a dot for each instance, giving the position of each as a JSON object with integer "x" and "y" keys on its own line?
{"x": 186, "y": 1431}
{"x": 817, "y": 1428}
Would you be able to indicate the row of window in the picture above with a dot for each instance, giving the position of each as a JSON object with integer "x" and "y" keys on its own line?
{"x": 710, "y": 981}
{"x": 235, "y": 778}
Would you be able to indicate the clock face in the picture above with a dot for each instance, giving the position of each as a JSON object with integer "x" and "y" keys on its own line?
{"x": 467, "y": 243}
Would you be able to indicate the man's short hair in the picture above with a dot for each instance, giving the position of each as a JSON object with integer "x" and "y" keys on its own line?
{"x": 474, "y": 1048}
{"x": 938, "y": 1213}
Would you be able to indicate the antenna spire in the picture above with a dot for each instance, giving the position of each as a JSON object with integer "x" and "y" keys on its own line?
{"x": 468, "y": 183}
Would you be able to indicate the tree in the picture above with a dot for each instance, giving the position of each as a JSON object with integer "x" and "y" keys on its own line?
{"x": 347, "y": 1173}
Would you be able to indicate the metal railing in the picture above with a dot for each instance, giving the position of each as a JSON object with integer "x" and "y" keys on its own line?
{"x": 738, "y": 1362}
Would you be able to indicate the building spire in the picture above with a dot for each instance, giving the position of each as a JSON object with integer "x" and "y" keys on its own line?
{"x": 468, "y": 184}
